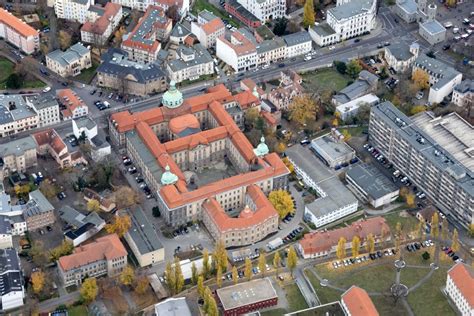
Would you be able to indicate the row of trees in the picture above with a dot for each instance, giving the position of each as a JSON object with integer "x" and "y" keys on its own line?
{"x": 341, "y": 246}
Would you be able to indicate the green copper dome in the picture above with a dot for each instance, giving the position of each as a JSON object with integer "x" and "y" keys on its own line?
{"x": 168, "y": 177}
{"x": 172, "y": 98}
{"x": 262, "y": 148}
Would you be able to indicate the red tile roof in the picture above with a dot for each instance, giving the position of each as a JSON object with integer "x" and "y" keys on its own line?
{"x": 213, "y": 26}
{"x": 242, "y": 46}
{"x": 69, "y": 99}
{"x": 50, "y": 137}
{"x": 101, "y": 24}
{"x": 358, "y": 302}
{"x": 271, "y": 120}
{"x": 16, "y": 24}
{"x": 104, "y": 248}
{"x": 247, "y": 219}
{"x": 246, "y": 99}
{"x": 180, "y": 123}
{"x": 463, "y": 277}
{"x": 322, "y": 241}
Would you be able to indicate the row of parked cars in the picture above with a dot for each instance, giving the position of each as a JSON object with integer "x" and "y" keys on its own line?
{"x": 251, "y": 256}
{"x": 291, "y": 236}
{"x": 418, "y": 245}
{"x": 452, "y": 254}
{"x": 357, "y": 260}
{"x": 132, "y": 170}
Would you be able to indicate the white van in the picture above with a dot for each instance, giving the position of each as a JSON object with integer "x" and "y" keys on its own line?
{"x": 106, "y": 103}
{"x": 448, "y": 25}
{"x": 455, "y": 30}
{"x": 47, "y": 89}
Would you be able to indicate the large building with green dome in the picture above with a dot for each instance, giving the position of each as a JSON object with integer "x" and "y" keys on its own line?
{"x": 200, "y": 166}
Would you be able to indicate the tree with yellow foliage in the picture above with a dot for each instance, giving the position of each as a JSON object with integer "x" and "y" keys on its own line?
{"x": 119, "y": 226}
{"x": 292, "y": 259}
{"x": 21, "y": 190}
{"x": 370, "y": 243}
{"x": 308, "y": 14}
{"x": 346, "y": 134}
{"x": 435, "y": 225}
{"x": 235, "y": 275}
{"x": 127, "y": 276}
{"x": 276, "y": 261}
{"x": 341, "y": 248}
{"x": 410, "y": 200}
{"x": 141, "y": 286}
{"x": 303, "y": 109}
{"x": 421, "y": 79}
{"x": 93, "y": 205}
{"x": 455, "y": 241}
{"x": 451, "y": 3}
{"x": 66, "y": 248}
{"x": 178, "y": 276}
{"x": 417, "y": 109}
{"x": 280, "y": 147}
{"x": 262, "y": 264}
{"x": 219, "y": 276}
{"x": 38, "y": 281}
{"x": 126, "y": 197}
{"x": 89, "y": 290}
{"x": 282, "y": 202}
{"x": 288, "y": 164}
{"x": 248, "y": 269}
{"x": 200, "y": 286}
{"x": 355, "y": 246}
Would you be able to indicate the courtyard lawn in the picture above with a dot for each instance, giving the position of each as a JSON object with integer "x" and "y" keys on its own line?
{"x": 79, "y": 310}
{"x": 325, "y": 295}
{"x": 294, "y": 297}
{"x": 408, "y": 221}
{"x": 429, "y": 299}
{"x": 200, "y": 5}
{"x": 324, "y": 79}
{"x": 87, "y": 75}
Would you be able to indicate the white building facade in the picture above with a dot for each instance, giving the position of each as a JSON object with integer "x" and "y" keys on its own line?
{"x": 73, "y": 10}
{"x": 18, "y": 33}
{"x": 265, "y": 10}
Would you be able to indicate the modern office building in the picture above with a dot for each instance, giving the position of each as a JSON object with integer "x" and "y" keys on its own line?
{"x": 350, "y": 109}
{"x": 370, "y": 185}
{"x": 332, "y": 149}
{"x": 18, "y": 33}
{"x": 435, "y": 153}
{"x": 334, "y": 200}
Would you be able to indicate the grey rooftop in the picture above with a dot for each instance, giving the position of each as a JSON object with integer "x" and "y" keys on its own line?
{"x": 323, "y": 29}
{"x": 143, "y": 233}
{"x": 443, "y": 72}
{"x": 17, "y": 147}
{"x": 371, "y": 180}
{"x": 201, "y": 56}
{"x": 332, "y": 148}
{"x": 297, "y": 38}
{"x": 433, "y": 27}
{"x": 350, "y": 9}
{"x": 246, "y": 293}
{"x": 400, "y": 50}
{"x": 71, "y": 55}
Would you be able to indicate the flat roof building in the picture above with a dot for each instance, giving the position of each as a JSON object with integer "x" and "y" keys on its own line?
{"x": 173, "y": 307}
{"x": 370, "y": 185}
{"x": 247, "y": 297}
{"x": 12, "y": 290}
{"x": 433, "y": 32}
{"x": 430, "y": 155}
{"x": 143, "y": 240}
{"x": 332, "y": 149}
{"x": 334, "y": 200}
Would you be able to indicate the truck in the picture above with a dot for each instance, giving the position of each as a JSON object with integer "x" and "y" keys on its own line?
{"x": 275, "y": 243}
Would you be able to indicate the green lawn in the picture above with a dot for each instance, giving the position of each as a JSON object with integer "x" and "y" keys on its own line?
{"x": 7, "y": 68}
{"x": 200, "y": 5}
{"x": 324, "y": 79}
{"x": 380, "y": 278}
{"x": 294, "y": 297}
{"x": 87, "y": 75}
{"x": 274, "y": 312}
{"x": 428, "y": 298}
{"x": 408, "y": 221}
{"x": 79, "y": 310}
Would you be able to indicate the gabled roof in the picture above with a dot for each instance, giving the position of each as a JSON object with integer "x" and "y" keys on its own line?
{"x": 50, "y": 137}
{"x": 358, "y": 302}
{"x": 18, "y": 25}
{"x": 105, "y": 248}
{"x": 463, "y": 277}
{"x": 100, "y": 25}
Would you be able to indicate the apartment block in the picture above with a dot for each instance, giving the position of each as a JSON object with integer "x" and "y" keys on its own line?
{"x": 207, "y": 28}
{"x": 443, "y": 78}
{"x": 102, "y": 22}
{"x": 143, "y": 43}
{"x": 75, "y": 106}
{"x": 18, "y": 33}
{"x": 74, "y": 10}
{"x": 17, "y": 155}
{"x": 142, "y": 5}
{"x": 70, "y": 62}
{"x": 12, "y": 291}
{"x": 435, "y": 153}
{"x": 105, "y": 256}
{"x": 350, "y": 18}
{"x": 190, "y": 64}
{"x": 38, "y": 212}
{"x": 16, "y": 115}
{"x": 265, "y": 10}
{"x": 47, "y": 108}
{"x": 463, "y": 94}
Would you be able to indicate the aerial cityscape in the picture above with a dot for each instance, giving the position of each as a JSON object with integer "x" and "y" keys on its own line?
{"x": 237, "y": 157}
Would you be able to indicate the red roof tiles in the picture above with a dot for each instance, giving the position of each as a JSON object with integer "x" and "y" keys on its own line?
{"x": 50, "y": 137}
{"x": 358, "y": 302}
{"x": 101, "y": 24}
{"x": 463, "y": 277}
{"x": 213, "y": 26}
{"x": 16, "y": 24}
{"x": 105, "y": 248}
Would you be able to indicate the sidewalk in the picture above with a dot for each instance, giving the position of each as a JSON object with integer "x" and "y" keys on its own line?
{"x": 49, "y": 305}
